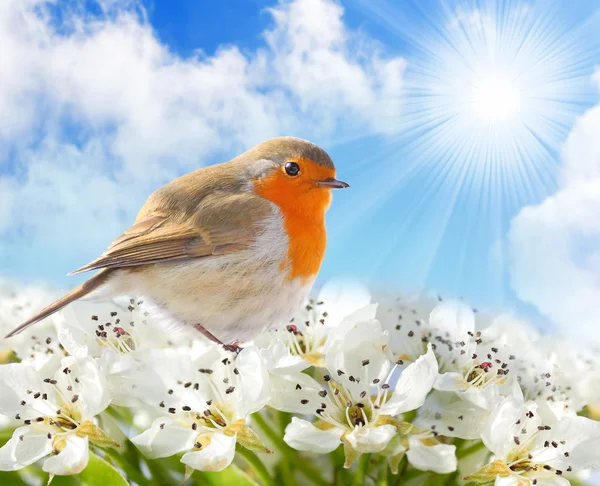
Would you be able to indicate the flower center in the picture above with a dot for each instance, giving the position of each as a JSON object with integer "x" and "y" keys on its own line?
{"x": 213, "y": 417}
{"x": 352, "y": 405}
{"x": 302, "y": 336}
{"x": 118, "y": 333}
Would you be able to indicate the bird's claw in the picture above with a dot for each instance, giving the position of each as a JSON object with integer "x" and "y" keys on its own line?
{"x": 232, "y": 348}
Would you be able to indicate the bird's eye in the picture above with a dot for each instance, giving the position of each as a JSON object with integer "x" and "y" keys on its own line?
{"x": 292, "y": 169}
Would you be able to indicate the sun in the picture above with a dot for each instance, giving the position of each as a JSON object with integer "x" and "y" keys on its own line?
{"x": 495, "y": 98}
{"x": 490, "y": 92}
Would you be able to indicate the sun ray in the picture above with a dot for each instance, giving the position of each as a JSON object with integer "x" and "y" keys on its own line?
{"x": 491, "y": 90}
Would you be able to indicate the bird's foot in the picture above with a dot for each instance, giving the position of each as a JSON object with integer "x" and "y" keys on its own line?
{"x": 233, "y": 347}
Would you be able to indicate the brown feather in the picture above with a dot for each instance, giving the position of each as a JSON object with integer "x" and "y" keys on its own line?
{"x": 211, "y": 211}
{"x": 78, "y": 292}
{"x": 221, "y": 223}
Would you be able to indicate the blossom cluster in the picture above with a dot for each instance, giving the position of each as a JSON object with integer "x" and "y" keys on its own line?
{"x": 423, "y": 386}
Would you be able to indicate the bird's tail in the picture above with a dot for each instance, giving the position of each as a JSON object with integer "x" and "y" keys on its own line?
{"x": 77, "y": 293}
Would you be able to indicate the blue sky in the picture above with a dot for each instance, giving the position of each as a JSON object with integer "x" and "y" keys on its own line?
{"x": 465, "y": 128}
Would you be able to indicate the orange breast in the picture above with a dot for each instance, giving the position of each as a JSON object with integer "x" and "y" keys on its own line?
{"x": 303, "y": 206}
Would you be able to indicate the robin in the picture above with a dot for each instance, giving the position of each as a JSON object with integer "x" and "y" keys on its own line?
{"x": 229, "y": 249}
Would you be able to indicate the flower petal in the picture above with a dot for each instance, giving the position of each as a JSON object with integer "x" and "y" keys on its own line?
{"x": 440, "y": 458}
{"x": 26, "y": 446}
{"x": 72, "y": 459}
{"x": 507, "y": 481}
{"x": 353, "y": 343}
{"x": 499, "y": 430}
{"x": 451, "y": 416}
{"x": 74, "y": 338}
{"x": 451, "y": 382}
{"x": 453, "y": 317}
{"x": 582, "y": 440}
{"x": 216, "y": 456}
{"x": 304, "y": 436}
{"x": 279, "y": 359}
{"x": 298, "y": 393}
{"x": 253, "y": 383}
{"x": 490, "y": 397}
{"x": 341, "y": 298}
{"x": 166, "y": 436}
{"x": 362, "y": 315}
{"x": 414, "y": 384}
{"x": 371, "y": 439}
{"x": 556, "y": 481}
{"x": 91, "y": 387}
{"x": 15, "y": 380}
{"x": 162, "y": 370}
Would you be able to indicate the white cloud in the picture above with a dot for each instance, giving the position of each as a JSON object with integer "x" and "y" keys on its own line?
{"x": 581, "y": 155}
{"x": 555, "y": 246}
{"x": 95, "y": 112}
{"x": 325, "y": 67}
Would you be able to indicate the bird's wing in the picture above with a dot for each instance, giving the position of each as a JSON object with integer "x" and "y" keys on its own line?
{"x": 220, "y": 224}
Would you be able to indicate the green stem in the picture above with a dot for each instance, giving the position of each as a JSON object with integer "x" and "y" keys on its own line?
{"x": 452, "y": 479}
{"x": 253, "y": 460}
{"x": 382, "y": 480}
{"x": 361, "y": 469}
{"x": 340, "y": 474}
{"x": 160, "y": 474}
{"x": 400, "y": 475}
{"x": 470, "y": 450}
{"x": 130, "y": 468}
{"x": 288, "y": 453}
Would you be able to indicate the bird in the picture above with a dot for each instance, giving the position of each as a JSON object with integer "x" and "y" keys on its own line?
{"x": 230, "y": 249}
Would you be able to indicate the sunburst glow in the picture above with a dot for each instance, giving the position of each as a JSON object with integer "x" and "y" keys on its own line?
{"x": 495, "y": 98}
{"x": 491, "y": 90}
{"x": 496, "y": 90}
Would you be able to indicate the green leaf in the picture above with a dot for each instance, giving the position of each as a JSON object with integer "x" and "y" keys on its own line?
{"x": 233, "y": 476}
{"x": 62, "y": 481}
{"x": 96, "y": 435}
{"x": 247, "y": 437}
{"x": 5, "y": 436}
{"x": 127, "y": 459}
{"x": 394, "y": 462}
{"x": 100, "y": 473}
{"x": 403, "y": 428}
{"x": 351, "y": 454}
{"x": 12, "y": 478}
{"x": 489, "y": 472}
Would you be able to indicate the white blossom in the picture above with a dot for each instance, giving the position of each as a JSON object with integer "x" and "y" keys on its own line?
{"x": 37, "y": 345}
{"x": 206, "y": 401}
{"x": 358, "y": 403}
{"x": 118, "y": 333}
{"x": 471, "y": 366}
{"x": 401, "y": 380}
{"x": 427, "y": 456}
{"x": 531, "y": 445}
{"x": 305, "y": 335}
{"x": 57, "y": 412}
{"x": 575, "y": 373}
{"x": 407, "y": 321}
{"x": 446, "y": 414}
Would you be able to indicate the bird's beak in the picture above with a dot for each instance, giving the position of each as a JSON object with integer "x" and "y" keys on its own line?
{"x": 332, "y": 183}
